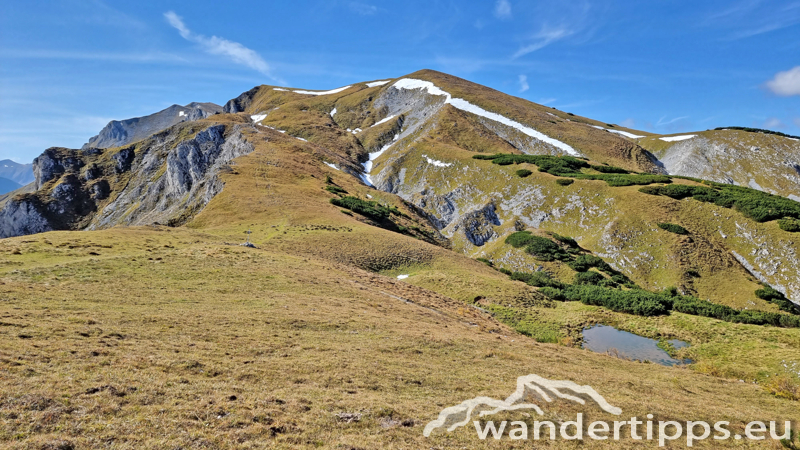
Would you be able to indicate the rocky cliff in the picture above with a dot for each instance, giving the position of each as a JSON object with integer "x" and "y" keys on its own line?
{"x": 164, "y": 179}
{"x": 123, "y": 132}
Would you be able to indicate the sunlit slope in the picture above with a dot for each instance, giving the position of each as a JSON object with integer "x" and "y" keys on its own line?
{"x": 761, "y": 161}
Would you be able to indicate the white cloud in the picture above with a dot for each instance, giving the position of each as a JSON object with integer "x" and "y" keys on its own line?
{"x": 214, "y": 45}
{"x": 773, "y": 122}
{"x": 786, "y": 83}
{"x": 662, "y": 121}
{"x": 628, "y": 123}
{"x": 363, "y": 8}
{"x": 502, "y": 9}
{"x": 523, "y": 83}
{"x": 543, "y": 38}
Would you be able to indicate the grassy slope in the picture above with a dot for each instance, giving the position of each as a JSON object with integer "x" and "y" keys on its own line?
{"x": 171, "y": 323}
{"x": 298, "y": 332}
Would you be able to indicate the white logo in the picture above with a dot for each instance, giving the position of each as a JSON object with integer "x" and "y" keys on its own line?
{"x": 460, "y": 415}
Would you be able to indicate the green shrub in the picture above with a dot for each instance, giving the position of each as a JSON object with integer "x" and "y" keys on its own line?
{"x": 335, "y": 190}
{"x": 553, "y": 293}
{"x": 756, "y": 205}
{"x": 637, "y": 302}
{"x": 545, "y": 250}
{"x": 519, "y": 239}
{"x": 790, "y": 225}
{"x": 522, "y": 173}
{"x": 609, "y": 169}
{"x": 565, "y": 181}
{"x": 771, "y": 295}
{"x": 365, "y": 208}
{"x": 537, "y": 279}
{"x": 585, "y": 262}
{"x": 672, "y": 228}
{"x": 588, "y": 278}
{"x": 485, "y": 261}
{"x": 566, "y": 240}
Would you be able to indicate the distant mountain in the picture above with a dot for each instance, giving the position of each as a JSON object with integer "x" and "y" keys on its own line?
{"x": 21, "y": 174}
{"x": 428, "y": 143}
{"x": 7, "y": 185}
{"x": 122, "y": 132}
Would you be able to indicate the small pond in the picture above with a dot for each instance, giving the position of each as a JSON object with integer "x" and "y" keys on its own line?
{"x": 603, "y": 338}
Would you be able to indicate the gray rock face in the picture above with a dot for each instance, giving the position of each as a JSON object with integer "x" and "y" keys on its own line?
{"x": 52, "y": 164}
{"x": 477, "y": 225}
{"x": 189, "y": 182}
{"x": 123, "y": 132}
{"x": 21, "y": 218}
{"x": 168, "y": 182}
{"x": 240, "y": 103}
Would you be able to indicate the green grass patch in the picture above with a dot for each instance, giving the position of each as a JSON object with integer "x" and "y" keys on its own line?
{"x": 564, "y": 181}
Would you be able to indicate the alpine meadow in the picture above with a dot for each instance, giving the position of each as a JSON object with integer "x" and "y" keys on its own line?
{"x": 298, "y": 268}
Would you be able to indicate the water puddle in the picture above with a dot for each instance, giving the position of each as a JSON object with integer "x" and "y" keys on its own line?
{"x": 606, "y": 339}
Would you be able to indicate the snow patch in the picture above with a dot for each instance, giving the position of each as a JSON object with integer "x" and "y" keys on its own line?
{"x": 624, "y": 133}
{"x": 297, "y": 137}
{"x": 402, "y": 277}
{"x": 372, "y": 157}
{"x": 332, "y": 91}
{"x": 333, "y": 113}
{"x": 332, "y": 166}
{"x": 458, "y": 103}
{"x": 258, "y": 117}
{"x": 436, "y": 163}
{"x": 280, "y": 89}
{"x": 378, "y": 83}
{"x": 677, "y": 138}
{"x": 384, "y": 120}
{"x": 181, "y": 114}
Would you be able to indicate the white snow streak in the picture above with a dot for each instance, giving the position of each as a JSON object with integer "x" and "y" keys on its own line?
{"x": 410, "y": 83}
{"x": 258, "y": 117}
{"x": 402, "y": 277}
{"x": 624, "y": 133}
{"x": 332, "y": 166}
{"x": 280, "y": 89}
{"x": 436, "y": 163}
{"x": 384, "y": 120}
{"x": 181, "y": 114}
{"x": 677, "y": 138}
{"x": 332, "y": 91}
{"x": 333, "y": 113}
{"x": 378, "y": 83}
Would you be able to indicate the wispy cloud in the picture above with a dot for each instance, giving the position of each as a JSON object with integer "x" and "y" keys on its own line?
{"x": 664, "y": 122}
{"x": 546, "y": 36}
{"x": 363, "y": 9}
{"x": 754, "y": 17}
{"x": 502, "y": 9}
{"x": 546, "y": 101}
{"x": 628, "y": 123}
{"x": 523, "y": 83}
{"x": 785, "y": 83}
{"x": 214, "y": 45}
{"x": 773, "y": 122}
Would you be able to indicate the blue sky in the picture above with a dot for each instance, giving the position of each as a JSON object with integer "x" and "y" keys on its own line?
{"x": 68, "y": 67}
